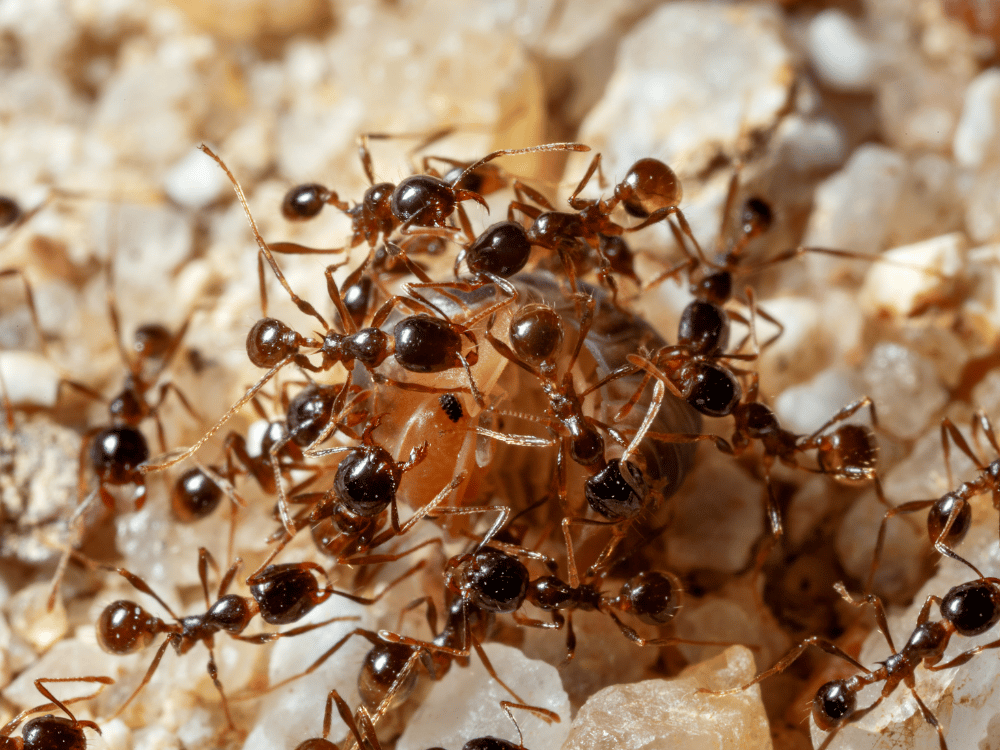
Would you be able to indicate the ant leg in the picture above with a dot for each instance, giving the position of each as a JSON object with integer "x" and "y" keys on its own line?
{"x": 213, "y": 672}
{"x": 345, "y": 715}
{"x": 911, "y": 507}
{"x": 586, "y": 321}
{"x": 521, "y": 191}
{"x": 928, "y": 715}
{"x": 430, "y": 613}
{"x": 963, "y": 657}
{"x": 788, "y": 659}
{"x": 29, "y": 297}
{"x": 500, "y": 522}
{"x": 346, "y": 321}
{"x": 294, "y": 248}
{"x": 492, "y": 672}
{"x": 262, "y": 638}
{"x": 659, "y": 392}
{"x": 399, "y": 579}
{"x": 575, "y": 202}
{"x": 56, "y": 703}
{"x": 982, "y": 422}
{"x": 530, "y": 622}
{"x": 633, "y": 636}
{"x": 140, "y": 585}
{"x": 542, "y": 713}
{"x": 300, "y": 303}
{"x": 173, "y": 638}
{"x": 880, "y": 618}
{"x": 227, "y": 579}
{"x": 574, "y": 577}
{"x": 387, "y": 558}
{"x": 205, "y": 559}
{"x": 515, "y": 151}
{"x": 530, "y": 211}
{"x": 948, "y": 429}
{"x": 166, "y": 464}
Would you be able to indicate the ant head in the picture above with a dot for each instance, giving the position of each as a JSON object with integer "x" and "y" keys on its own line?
{"x": 756, "y": 217}
{"x": 116, "y": 452}
{"x": 286, "y": 593}
{"x": 649, "y": 185}
{"x": 316, "y": 743}
{"x": 833, "y": 704}
{"x": 152, "y": 341}
{"x": 758, "y": 420}
{"x": 366, "y": 480}
{"x": 973, "y": 607}
{"x": 195, "y": 496}
{"x": 536, "y": 334}
{"x": 493, "y": 580}
{"x": 490, "y": 743}
{"x": 124, "y": 628}
{"x": 619, "y": 255}
{"x": 502, "y": 250}
{"x": 715, "y": 287}
{"x": 614, "y": 496}
{"x": 309, "y": 413}
{"x": 10, "y": 212}
{"x": 423, "y": 201}
{"x": 304, "y": 201}
{"x": 128, "y": 407}
{"x": 652, "y": 596}
{"x": 270, "y": 341}
{"x": 549, "y": 593}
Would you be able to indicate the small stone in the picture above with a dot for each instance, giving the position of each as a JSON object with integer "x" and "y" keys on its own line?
{"x": 30, "y": 379}
{"x": 841, "y": 55}
{"x": 905, "y": 388}
{"x": 724, "y": 72}
{"x": 672, "y": 715}
{"x": 30, "y": 618}
{"x": 70, "y": 658}
{"x": 804, "y": 408}
{"x": 912, "y": 275}
{"x": 195, "y": 181}
{"x": 465, "y": 704}
{"x": 975, "y": 141}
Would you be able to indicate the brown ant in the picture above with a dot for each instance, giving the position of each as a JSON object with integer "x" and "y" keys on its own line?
{"x": 280, "y": 595}
{"x": 650, "y": 190}
{"x": 949, "y": 517}
{"x": 49, "y": 732}
{"x": 968, "y": 610}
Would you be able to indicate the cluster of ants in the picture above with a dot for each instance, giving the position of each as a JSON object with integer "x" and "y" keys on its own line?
{"x": 409, "y": 401}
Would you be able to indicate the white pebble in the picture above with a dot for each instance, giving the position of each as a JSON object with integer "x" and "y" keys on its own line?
{"x": 30, "y": 379}
{"x": 194, "y": 181}
{"x": 976, "y": 135}
{"x": 842, "y": 57}
{"x": 899, "y": 286}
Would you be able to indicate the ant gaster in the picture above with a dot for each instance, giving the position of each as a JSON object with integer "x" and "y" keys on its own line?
{"x": 52, "y": 732}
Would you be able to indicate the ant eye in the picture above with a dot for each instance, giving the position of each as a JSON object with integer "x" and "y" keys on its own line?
{"x": 366, "y": 481}
{"x": 611, "y": 495}
{"x": 124, "y": 628}
{"x": 194, "y": 496}
{"x": 304, "y": 201}
{"x": 834, "y": 703}
{"x": 116, "y": 452}
{"x": 536, "y": 334}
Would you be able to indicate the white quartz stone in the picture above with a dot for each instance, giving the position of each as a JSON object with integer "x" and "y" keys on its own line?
{"x": 839, "y": 51}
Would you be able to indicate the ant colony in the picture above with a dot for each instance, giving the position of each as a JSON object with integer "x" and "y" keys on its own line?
{"x": 533, "y": 447}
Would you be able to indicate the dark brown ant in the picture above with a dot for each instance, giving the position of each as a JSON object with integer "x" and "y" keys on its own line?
{"x": 10, "y": 212}
{"x": 650, "y": 190}
{"x": 281, "y": 594}
{"x": 419, "y": 200}
{"x": 968, "y": 610}
{"x": 949, "y": 517}
{"x": 52, "y": 732}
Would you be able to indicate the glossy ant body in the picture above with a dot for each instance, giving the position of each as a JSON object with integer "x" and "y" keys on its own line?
{"x": 949, "y": 517}
{"x": 281, "y": 594}
{"x": 967, "y": 610}
{"x": 52, "y": 732}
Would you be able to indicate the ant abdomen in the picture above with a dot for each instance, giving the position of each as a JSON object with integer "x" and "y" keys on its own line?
{"x": 309, "y": 413}
{"x": 973, "y": 608}
{"x": 536, "y": 334}
{"x": 366, "y": 480}
{"x": 652, "y": 596}
{"x": 494, "y": 581}
{"x": 613, "y": 496}
{"x": 195, "y": 496}
{"x": 379, "y": 671}
{"x": 712, "y": 389}
{"x": 833, "y": 704}
{"x": 285, "y": 593}
{"x": 116, "y": 452}
{"x": 649, "y": 186}
{"x": 425, "y": 344}
{"x": 490, "y": 743}
{"x": 271, "y": 341}
{"x": 941, "y": 511}
{"x": 849, "y": 453}
{"x": 124, "y": 628}
{"x": 316, "y": 743}
{"x": 502, "y": 249}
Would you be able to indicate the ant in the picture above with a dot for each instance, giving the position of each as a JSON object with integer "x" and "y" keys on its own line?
{"x": 950, "y": 516}
{"x": 968, "y": 609}
{"x": 280, "y": 595}
{"x": 650, "y": 190}
{"x": 420, "y": 200}
{"x": 48, "y": 732}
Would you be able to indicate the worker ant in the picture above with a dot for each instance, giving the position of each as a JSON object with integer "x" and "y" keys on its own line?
{"x": 280, "y": 595}
{"x": 968, "y": 609}
{"x": 47, "y": 732}
{"x": 949, "y": 517}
